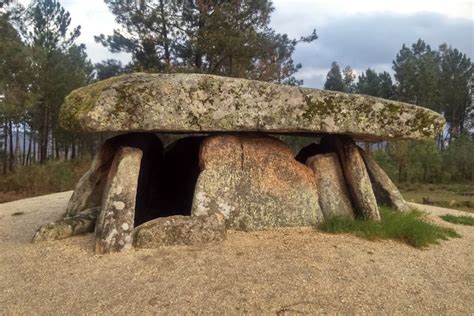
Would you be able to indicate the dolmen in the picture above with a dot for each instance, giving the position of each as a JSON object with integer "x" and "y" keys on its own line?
{"x": 227, "y": 168}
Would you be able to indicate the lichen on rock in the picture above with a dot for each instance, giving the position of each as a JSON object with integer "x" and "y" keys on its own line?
{"x": 207, "y": 103}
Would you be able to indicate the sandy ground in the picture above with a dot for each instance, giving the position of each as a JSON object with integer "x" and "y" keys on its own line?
{"x": 285, "y": 271}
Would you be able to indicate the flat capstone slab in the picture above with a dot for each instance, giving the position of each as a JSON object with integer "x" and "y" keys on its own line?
{"x": 195, "y": 103}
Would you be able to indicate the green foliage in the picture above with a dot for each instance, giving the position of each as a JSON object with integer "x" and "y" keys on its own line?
{"x": 435, "y": 79}
{"x": 337, "y": 80}
{"x": 15, "y": 72}
{"x": 378, "y": 85}
{"x": 422, "y": 161}
{"x": 334, "y": 79}
{"x": 109, "y": 68}
{"x": 463, "y": 220}
{"x": 231, "y": 38}
{"x": 417, "y": 72}
{"x": 410, "y": 228}
{"x": 456, "y": 70}
{"x": 386, "y": 162}
{"x": 50, "y": 23}
{"x": 459, "y": 158}
{"x": 425, "y": 162}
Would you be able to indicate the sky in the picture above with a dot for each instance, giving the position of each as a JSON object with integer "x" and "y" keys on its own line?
{"x": 363, "y": 34}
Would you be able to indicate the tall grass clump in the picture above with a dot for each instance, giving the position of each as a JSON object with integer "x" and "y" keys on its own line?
{"x": 410, "y": 228}
{"x": 463, "y": 220}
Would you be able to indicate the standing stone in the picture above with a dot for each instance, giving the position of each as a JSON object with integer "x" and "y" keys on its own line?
{"x": 385, "y": 190}
{"x": 88, "y": 191}
{"x": 333, "y": 195}
{"x": 256, "y": 183}
{"x": 180, "y": 230}
{"x": 114, "y": 228}
{"x": 357, "y": 178}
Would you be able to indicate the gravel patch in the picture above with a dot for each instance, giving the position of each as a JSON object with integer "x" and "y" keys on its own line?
{"x": 280, "y": 271}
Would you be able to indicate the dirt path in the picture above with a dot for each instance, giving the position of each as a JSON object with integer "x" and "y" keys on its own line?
{"x": 293, "y": 270}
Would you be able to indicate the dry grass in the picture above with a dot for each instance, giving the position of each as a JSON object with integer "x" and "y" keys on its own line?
{"x": 35, "y": 180}
{"x": 455, "y": 196}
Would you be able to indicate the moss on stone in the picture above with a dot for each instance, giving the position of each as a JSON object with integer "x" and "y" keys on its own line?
{"x": 80, "y": 101}
{"x": 192, "y": 102}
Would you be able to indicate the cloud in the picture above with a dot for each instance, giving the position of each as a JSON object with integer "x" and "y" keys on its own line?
{"x": 373, "y": 40}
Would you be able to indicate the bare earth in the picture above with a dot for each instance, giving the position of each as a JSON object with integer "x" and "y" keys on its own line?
{"x": 290, "y": 270}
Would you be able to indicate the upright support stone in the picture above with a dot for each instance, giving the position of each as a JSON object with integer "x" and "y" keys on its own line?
{"x": 386, "y": 192}
{"x": 256, "y": 183}
{"x": 332, "y": 190}
{"x": 114, "y": 228}
{"x": 88, "y": 191}
{"x": 356, "y": 175}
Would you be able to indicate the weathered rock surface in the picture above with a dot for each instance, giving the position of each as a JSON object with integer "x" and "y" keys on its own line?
{"x": 89, "y": 190}
{"x": 114, "y": 228}
{"x": 385, "y": 190}
{"x": 82, "y": 223}
{"x": 180, "y": 230}
{"x": 205, "y": 103}
{"x": 333, "y": 194}
{"x": 256, "y": 183}
{"x": 356, "y": 175}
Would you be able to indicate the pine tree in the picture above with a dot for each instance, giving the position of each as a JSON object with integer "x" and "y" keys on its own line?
{"x": 334, "y": 79}
{"x": 378, "y": 85}
{"x": 226, "y": 37}
{"x": 109, "y": 68}
{"x": 15, "y": 75}
{"x": 456, "y": 71}
{"x": 417, "y": 72}
{"x": 50, "y": 38}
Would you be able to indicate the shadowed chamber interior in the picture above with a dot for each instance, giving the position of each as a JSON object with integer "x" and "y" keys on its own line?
{"x": 166, "y": 184}
{"x": 313, "y": 149}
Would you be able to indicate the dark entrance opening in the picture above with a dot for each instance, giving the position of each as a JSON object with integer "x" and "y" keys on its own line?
{"x": 166, "y": 183}
{"x": 313, "y": 149}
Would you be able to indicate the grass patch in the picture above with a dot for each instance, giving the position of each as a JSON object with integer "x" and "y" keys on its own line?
{"x": 463, "y": 220}
{"x": 410, "y": 228}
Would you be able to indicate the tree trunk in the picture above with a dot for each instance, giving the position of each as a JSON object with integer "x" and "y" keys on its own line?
{"x": 12, "y": 153}
{"x": 28, "y": 155}
{"x": 34, "y": 149}
{"x": 198, "y": 57}
{"x": 5, "y": 145}
{"x": 367, "y": 148}
{"x": 164, "y": 31}
{"x": 24, "y": 145}
{"x": 44, "y": 135}
{"x": 57, "y": 147}
{"x": 17, "y": 148}
{"x": 73, "y": 149}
